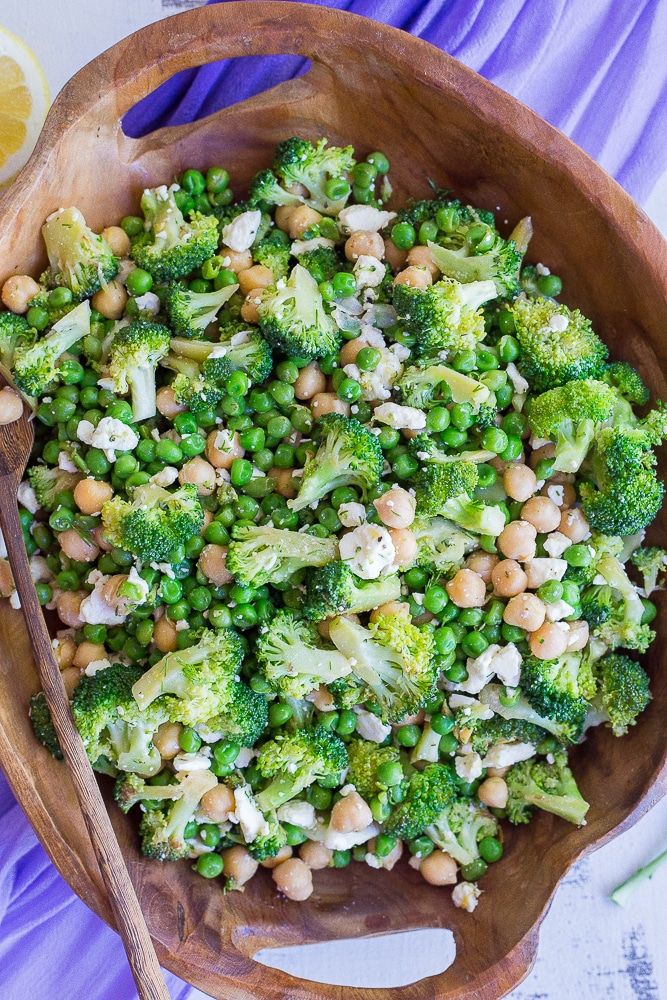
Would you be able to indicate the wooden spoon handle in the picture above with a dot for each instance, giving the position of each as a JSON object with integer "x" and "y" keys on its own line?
{"x": 129, "y": 919}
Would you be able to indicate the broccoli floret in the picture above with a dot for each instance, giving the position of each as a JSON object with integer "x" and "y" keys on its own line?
{"x": 460, "y": 827}
{"x": 598, "y": 604}
{"x": 131, "y": 789}
{"x": 321, "y": 262}
{"x": 441, "y": 545}
{"x": 459, "y": 218}
{"x": 654, "y": 424}
{"x": 201, "y": 678}
{"x": 42, "y": 725}
{"x": 110, "y": 723}
{"x": 267, "y": 845}
{"x": 273, "y": 251}
{"x": 199, "y": 393}
{"x": 163, "y": 831}
{"x": 557, "y": 344}
{"x": 347, "y": 455}
{"x": 347, "y": 692}
{"x": 551, "y": 787}
{"x": 36, "y": 368}
{"x": 559, "y": 689}
{"x": 627, "y": 381}
{"x": 487, "y": 733}
{"x": 298, "y": 161}
{"x": 191, "y": 312}
{"x": 293, "y": 660}
{"x": 446, "y": 316}
{"x": 418, "y": 386}
{"x": 570, "y": 415}
{"x": 135, "y": 352}
{"x": 393, "y": 657}
{"x": 79, "y": 259}
{"x": 428, "y": 794}
{"x": 500, "y": 264}
{"x": 651, "y": 561}
{"x": 172, "y": 247}
{"x": 292, "y": 317}
{"x": 49, "y": 482}
{"x": 365, "y": 760}
{"x": 446, "y": 491}
{"x": 266, "y": 189}
{"x": 520, "y": 709}
{"x": 239, "y": 348}
{"x": 622, "y": 628}
{"x": 293, "y": 761}
{"x": 16, "y": 335}
{"x": 426, "y": 449}
{"x": 624, "y": 690}
{"x": 155, "y": 522}
{"x": 260, "y": 553}
{"x": 245, "y": 716}
{"x": 335, "y": 590}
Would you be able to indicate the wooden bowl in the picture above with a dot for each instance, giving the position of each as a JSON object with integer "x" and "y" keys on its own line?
{"x": 375, "y": 87}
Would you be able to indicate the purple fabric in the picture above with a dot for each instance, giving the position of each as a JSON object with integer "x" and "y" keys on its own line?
{"x": 596, "y": 70}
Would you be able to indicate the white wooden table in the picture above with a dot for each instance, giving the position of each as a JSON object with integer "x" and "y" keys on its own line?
{"x": 590, "y": 949}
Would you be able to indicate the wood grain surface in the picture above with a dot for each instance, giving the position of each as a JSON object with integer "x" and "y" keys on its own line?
{"x": 376, "y": 88}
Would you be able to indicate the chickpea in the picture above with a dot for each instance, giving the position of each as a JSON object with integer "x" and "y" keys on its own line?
{"x": 240, "y": 866}
{"x": 542, "y": 513}
{"x": 17, "y": 292}
{"x": 578, "y": 636}
{"x": 405, "y": 545}
{"x": 87, "y": 653}
{"x": 466, "y": 589}
{"x": 11, "y": 406}
{"x": 395, "y": 258}
{"x": 218, "y": 803}
{"x": 350, "y": 814}
{"x": 517, "y": 540}
{"x": 315, "y": 855}
{"x": 222, "y": 457}
{"x": 298, "y": 189}
{"x": 64, "y": 653}
{"x": 508, "y": 578}
{"x": 546, "y": 451}
{"x": 294, "y": 879}
{"x": 323, "y": 628}
{"x": 100, "y": 540}
{"x": 208, "y": 517}
{"x": 549, "y": 641}
{"x": 422, "y": 257}
{"x": 439, "y": 868}
{"x": 239, "y": 260}
{"x": 396, "y": 608}
{"x": 310, "y": 381}
{"x": 118, "y": 240}
{"x": 166, "y": 739}
{"x": 415, "y": 719}
{"x": 6, "y": 579}
{"x": 283, "y": 215}
{"x": 76, "y": 547}
{"x": 110, "y": 300}
{"x": 364, "y": 244}
{"x": 166, "y": 403}
{"x": 91, "y": 494}
{"x": 165, "y": 635}
{"x": 257, "y": 276}
{"x": 213, "y": 564}
{"x": 396, "y": 508}
{"x": 483, "y": 564}
{"x": 414, "y": 277}
{"x": 328, "y": 402}
{"x": 574, "y": 524}
{"x": 199, "y": 472}
{"x": 520, "y": 482}
{"x": 493, "y": 792}
{"x": 71, "y": 677}
{"x": 525, "y": 611}
{"x": 284, "y": 482}
{"x": 283, "y": 854}
{"x": 350, "y": 349}
{"x": 68, "y": 606}
{"x": 301, "y": 219}
{"x": 250, "y": 308}
{"x": 539, "y": 571}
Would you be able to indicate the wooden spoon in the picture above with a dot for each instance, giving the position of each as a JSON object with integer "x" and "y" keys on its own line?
{"x": 16, "y": 441}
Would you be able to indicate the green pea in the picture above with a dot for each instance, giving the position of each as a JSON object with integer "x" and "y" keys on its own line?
{"x": 318, "y": 796}
{"x": 384, "y": 844}
{"x": 448, "y": 744}
{"x": 649, "y": 613}
{"x": 408, "y": 736}
{"x": 549, "y": 285}
{"x": 513, "y": 450}
{"x": 217, "y": 180}
{"x": 577, "y": 555}
{"x": 512, "y": 633}
{"x": 504, "y": 396}
{"x": 390, "y": 773}
{"x": 405, "y": 466}
{"x": 437, "y": 419}
{"x": 349, "y": 390}
{"x": 368, "y": 359}
{"x": 240, "y": 472}
{"x": 421, "y": 847}
{"x": 220, "y": 617}
{"x": 60, "y": 297}
{"x": 462, "y": 416}
{"x": 464, "y": 361}
{"x": 551, "y": 591}
{"x": 388, "y": 438}
{"x": 435, "y": 599}
{"x": 442, "y": 724}
{"x": 453, "y": 438}
{"x": 170, "y": 591}
{"x": 279, "y": 427}
{"x": 188, "y": 740}
{"x": 494, "y": 439}
{"x": 216, "y": 533}
{"x": 341, "y": 859}
{"x": 344, "y": 284}
{"x": 138, "y": 282}
{"x": 416, "y": 578}
{"x": 473, "y": 871}
{"x": 210, "y": 865}
{"x": 403, "y": 236}
{"x": 226, "y": 752}
{"x": 456, "y": 673}
{"x": 37, "y": 318}
{"x": 494, "y": 612}
{"x": 224, "y": 279}
{"x": 343, "y": 494}
{"x": 132, "y": 225}
{"x": 487, "y": 475}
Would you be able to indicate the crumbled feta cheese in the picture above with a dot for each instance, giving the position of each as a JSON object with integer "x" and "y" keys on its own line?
{"x": 182, "y": 625}
{"x": 468, "y": 766}
{"x": 505, "y": 661}
{"x": 400, "y": 417}
{"x": 373, "y": 337}
{"x": 15, "y": 600}
{"x": 388, "y": 861}
{"x": 368, "y": 550}
{"x": 556, "y": 543}
{"x": 155, "y": 434}
{"x": 245, "y": 755}
{"x": 558, "y": 610}
{"x": 516, "y": 378}
{"x": 39, "y": 569}
{"x": 26, "y": 497}
{"x": 240, "y": 233}
{"x": 225, "y": 440}
{"x": 296, "y": 812}
{"x": 95, "y": 666}
{"x": 364, "y": 218}
{"x": 337, "y": 841}
{"x": 559, "y": 323}
{"x": 465, "y": 896}
{"x": 506, "y": 754}
{"x": 542, "y": 269}
{"x": 540, "y": 570}
{"x": 368, "y": 271}
{"x": 248, "y": 815}
{"x": 191, "y": 762}
{"x": 507, "y": 665}
{"x": 148, "y": 303}
{"x": 94, "y": 609}
{"x": 470, "y": 706}
{"x": 401, "y": 351}
{"x": 110, "y": 435}
{"x": 165, "y": 477}
{"x": 351, "y": 515}
{"x": 370, "y": 727}
{"x": 65, "y": 462}
{"x": 304, "y": 246}
{"x": 556, "y": 493}
{"x": 166, "y": 568}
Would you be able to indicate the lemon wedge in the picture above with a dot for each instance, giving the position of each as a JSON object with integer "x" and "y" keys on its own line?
{"x": 24, "y": 101}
